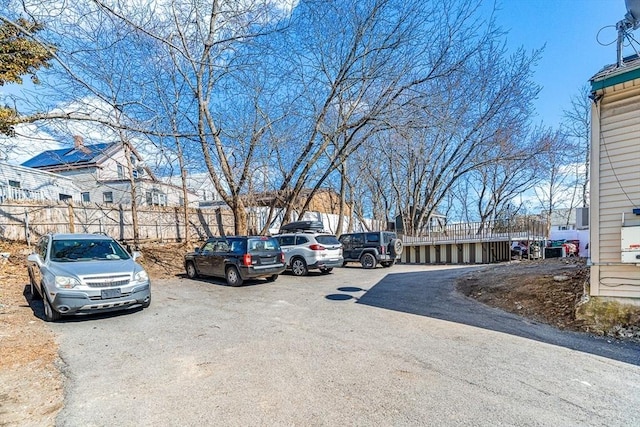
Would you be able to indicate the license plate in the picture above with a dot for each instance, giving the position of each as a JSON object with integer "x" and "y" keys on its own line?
{"x": 111, "y": 293}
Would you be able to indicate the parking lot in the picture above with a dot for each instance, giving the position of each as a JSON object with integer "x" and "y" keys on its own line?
{"x": 391, "y": 346}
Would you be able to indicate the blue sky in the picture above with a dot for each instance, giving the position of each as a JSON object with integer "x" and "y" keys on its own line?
{"x": 572, "y": 31}
{"x": 572, "y": 55}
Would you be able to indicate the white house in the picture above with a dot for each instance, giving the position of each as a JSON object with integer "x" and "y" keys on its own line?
{"x": 101, "y": 171}
{"x": 23, "y": 183}
{"x": 202, "y": 186}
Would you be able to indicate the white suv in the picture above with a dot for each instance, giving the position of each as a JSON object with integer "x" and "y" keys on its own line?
{"x": 307, "y": 250}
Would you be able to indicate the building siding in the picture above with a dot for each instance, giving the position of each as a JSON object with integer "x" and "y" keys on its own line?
{"x": 615, "y": 187}
{"x": 36, "y": 184}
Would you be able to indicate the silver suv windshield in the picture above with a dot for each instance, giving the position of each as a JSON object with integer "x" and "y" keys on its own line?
{"x": 86, "y": 250}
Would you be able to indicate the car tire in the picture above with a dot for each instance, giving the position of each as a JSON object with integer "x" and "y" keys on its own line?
{"x": 147, "y": 304}
{"x": 368, "y": 260}
{"x": 192, "y": 273}
{"x": 387, "y": 264}
{"x": 50, "y": 314}
{"x": 233, "y": 277}
{"x": 326, "y": 270}
{"x": 33, "y": 288}
{"x": 299, "y": 267}
{"x": 272, "y": 278}
{"x": 35, "y": 295}
{"x": 396, "y": 247}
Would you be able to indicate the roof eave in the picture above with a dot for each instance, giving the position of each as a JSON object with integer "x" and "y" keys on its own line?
{"x": 613, "y": 75}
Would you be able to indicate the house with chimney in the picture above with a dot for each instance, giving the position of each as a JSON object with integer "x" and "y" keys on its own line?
{"x": 105, "y": 173}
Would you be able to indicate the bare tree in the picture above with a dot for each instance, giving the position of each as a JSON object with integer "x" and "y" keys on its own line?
{"x": 512, "y": 167}
{"x": 557, "y": 177}
{"x": 266, "y": 97}
{"x": 577, "y": 126}
{"x": 362, "y": 67}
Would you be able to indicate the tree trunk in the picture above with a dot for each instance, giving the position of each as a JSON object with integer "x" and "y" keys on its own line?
{"x": 133, "y": 191}
{"x": 239, "y": 218}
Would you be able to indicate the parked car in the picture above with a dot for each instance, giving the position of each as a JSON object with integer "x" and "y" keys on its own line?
{"x": 86, "y": 273}
{"x": 237, "y": 259}
{"x": 306, "y": 250}
{"x": 371, "y": 248}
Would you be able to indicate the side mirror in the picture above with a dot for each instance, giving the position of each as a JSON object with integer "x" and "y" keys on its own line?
{"x": 34, "y": 258}
{"x": 135, "y": 255}
{"x": 196, "y": 250}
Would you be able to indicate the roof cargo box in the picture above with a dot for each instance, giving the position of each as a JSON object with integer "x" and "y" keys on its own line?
{"x": 303, "y": 225}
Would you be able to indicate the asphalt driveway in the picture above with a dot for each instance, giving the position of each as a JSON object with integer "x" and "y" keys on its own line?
{"x": 392, "y": 346}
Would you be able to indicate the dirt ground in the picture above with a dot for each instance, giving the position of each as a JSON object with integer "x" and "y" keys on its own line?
{"x": 32, "y": 375}
{"x": 528, "y": 288}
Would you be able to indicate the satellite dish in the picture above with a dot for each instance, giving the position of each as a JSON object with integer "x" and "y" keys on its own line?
{"x": 633, "y": 12}
{"x": 630, "y": 22}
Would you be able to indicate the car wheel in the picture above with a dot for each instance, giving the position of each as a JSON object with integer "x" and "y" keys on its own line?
{"x": 368, "y": 261}
{"x": 326, "y": 270}
{"x": 50, "y": 315}
{"x": 299, "y": 267}
{"x": 147, "y": 303}
{"x": 387, "y": 264}
{"x": 396, "y": 246}
{"x": 35, "y": 295}
{"x": 272, "y": 278}
{"x": 192, "y": 273}
{"x": 233, "y": 277}
{"x": 33, "y": 288}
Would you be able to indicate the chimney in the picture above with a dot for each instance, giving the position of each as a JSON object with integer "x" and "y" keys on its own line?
{"x": 78, "y": 141}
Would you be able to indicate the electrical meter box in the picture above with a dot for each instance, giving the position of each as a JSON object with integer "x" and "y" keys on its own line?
{"x": 631, "y": 244}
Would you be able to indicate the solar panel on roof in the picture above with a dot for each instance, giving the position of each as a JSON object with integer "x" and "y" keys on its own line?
{"x": 66, "y": 156}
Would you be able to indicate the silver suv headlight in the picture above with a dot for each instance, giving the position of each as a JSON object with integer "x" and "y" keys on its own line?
{"x": 141, "y": 276}
{"x": 66, "y": 282}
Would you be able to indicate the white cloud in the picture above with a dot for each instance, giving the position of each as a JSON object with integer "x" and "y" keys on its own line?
{"x": 28, "y": 142}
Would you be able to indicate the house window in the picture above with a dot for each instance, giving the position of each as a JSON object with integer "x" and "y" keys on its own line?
{"x": 120, "y": 171}
{"x": 181, "y": 201}
{"x": 86, "y": 197}
{"x": 156, "y": 198}
{"x": 64, "y": 197}
{"x": 14, "y": 190}
{"x": 107, "y": 197}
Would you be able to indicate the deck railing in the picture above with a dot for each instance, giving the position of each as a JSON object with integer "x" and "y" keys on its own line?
{"x": 520, "y": 229}
{"x": 8, "y": 192}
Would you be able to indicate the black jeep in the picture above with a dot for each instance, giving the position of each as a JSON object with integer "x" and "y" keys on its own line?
{"x": 371, "y": 248}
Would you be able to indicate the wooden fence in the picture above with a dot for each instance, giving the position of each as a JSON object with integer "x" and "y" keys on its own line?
{"x": 28, "y": 220}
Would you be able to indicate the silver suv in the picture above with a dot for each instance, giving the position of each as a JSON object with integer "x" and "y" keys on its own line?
{"x": 86, "y": 273}
{"x": 307, "y": 250}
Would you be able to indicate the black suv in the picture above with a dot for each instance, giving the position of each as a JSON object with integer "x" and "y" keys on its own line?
{"x": 371, "y": 248}
{"x": 237, "y": 259}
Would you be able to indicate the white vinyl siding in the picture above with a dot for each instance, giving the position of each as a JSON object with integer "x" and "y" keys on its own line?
{"x": 23, "y": 183}
{"x": 616, "y": 173}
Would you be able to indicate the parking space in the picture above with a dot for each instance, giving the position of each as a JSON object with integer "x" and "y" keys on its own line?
{"x": 354, "y": 347}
